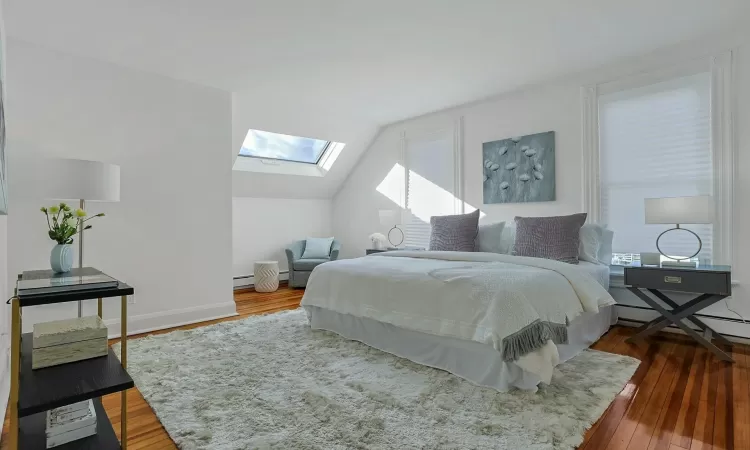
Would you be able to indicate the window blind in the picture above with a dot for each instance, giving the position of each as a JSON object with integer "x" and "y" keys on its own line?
{"x": 430, "y": 185}
{"x": 655, "y": 141}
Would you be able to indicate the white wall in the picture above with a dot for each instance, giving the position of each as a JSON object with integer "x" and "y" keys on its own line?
{"x": 170, "y": 235}
{"x": 5, "y": 292}
{"x": 263, "y": 227}
{"x": 547, "y": 108}
{"x": 552, "y": 106}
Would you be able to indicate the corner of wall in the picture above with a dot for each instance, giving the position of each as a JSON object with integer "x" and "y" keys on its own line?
{"x": 359, "y": 160}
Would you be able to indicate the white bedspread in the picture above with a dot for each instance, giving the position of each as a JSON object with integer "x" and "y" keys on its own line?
{"x": 482, "y": 297}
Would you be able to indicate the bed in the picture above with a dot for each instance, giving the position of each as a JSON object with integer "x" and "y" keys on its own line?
{"x": 499, "y": 321}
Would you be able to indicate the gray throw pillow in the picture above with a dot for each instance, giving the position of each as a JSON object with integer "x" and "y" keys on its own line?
{"x": 489, "y": 238}
{"x": 454, "y": 233}
{"x": 555, "y": 237}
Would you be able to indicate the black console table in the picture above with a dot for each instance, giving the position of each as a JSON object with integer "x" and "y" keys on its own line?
{"x": 34, "y": 392}
{"x": 714, "y": 283}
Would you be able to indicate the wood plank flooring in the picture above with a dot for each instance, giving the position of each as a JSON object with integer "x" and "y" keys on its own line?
{"x": 680, "y": 398}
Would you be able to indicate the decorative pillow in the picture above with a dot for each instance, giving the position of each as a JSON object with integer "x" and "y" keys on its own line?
{"x": 454, "y": 233}
{"x": 317, "y": 248}
{"x": 555, "y": 237}
{"x": 591, "y": 240}
{"x": 489, "y": 238}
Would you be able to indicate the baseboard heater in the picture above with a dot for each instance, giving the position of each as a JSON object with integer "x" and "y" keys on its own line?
{"x": 283, "y": 276}
{"x": 672, "y": 328}
{"x": 732, "y": 337}
{"x": 705, "y": 316}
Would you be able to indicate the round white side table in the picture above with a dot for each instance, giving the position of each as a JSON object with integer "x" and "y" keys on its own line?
{"x": 266, "y": 275}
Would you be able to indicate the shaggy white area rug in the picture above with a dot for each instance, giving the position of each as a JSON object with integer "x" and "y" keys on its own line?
{"x": 270, "y": 382}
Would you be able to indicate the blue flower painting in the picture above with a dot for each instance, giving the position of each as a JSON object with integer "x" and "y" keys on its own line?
{"x": 520, "y": 169}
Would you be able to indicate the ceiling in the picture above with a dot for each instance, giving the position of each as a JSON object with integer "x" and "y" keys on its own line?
{"x": 399, "y": 57}
{"x": 362, "y": 63}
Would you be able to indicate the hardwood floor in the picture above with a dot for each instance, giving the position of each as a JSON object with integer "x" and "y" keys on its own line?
{"x": 680, "y": 398}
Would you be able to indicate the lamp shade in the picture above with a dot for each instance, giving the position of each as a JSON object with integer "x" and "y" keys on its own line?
{"x": 389, "y": 217}
{"x": 76, "y": 179}
{"x": 679, "y": 210}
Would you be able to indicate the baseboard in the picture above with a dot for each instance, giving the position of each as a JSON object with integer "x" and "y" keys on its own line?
{"x": 630, "y": 307}
{"x": 248, "y": 281}
{"x": 251, "y": 287}
{"x": 672, "y": 329}
{"x": 145, "y": 323}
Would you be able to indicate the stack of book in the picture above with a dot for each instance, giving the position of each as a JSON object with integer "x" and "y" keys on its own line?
{"x": 70, "y": 423}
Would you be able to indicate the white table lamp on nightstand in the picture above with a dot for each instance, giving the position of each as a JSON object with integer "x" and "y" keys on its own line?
{"x": 680, "y": 210}
{"x": 77, "y": 179}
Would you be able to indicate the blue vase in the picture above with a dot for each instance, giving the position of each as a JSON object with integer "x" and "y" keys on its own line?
{"x": 61, "y": 258}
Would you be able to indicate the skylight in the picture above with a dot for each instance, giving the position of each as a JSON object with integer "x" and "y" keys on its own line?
{"x": 283, "y": 147}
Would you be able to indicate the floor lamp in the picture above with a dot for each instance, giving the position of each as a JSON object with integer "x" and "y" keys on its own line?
{"x": 85, "y": 181}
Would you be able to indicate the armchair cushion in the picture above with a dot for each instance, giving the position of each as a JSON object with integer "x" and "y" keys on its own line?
{"x": 316, "y": 248}
{"x": 308, "y": 264}
{"x": 335, "y": 249}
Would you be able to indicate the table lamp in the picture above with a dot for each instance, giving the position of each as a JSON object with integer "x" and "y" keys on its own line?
{"x": 680, "y": 210}
{"x": 392, "y": 217}
{"x": 77, "y": 179}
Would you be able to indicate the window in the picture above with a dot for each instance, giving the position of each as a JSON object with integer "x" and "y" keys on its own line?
{"x": 267, "y": 145}
{"x": 654, "y": 141}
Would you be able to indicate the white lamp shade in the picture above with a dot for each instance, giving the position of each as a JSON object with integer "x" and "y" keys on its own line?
{"x": 389, "y": 217}
{"x": 679, "y": 210}
{"x": 76, "y": 179}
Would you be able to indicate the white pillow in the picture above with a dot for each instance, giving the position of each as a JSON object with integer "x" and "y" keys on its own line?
{"x": 605, "y": 249}
{"x": 489, "y": 238}
{"x": 590, "y": 242}
{"x": 508, "y": 239}
{"x": 317, "y": 248}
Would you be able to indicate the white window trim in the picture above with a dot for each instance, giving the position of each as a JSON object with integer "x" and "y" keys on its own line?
{"x": 281, "y": 167}
{"x": 452, "y": 128}
{"x": 457, "y": 129}
{"x": 723, "y": 140}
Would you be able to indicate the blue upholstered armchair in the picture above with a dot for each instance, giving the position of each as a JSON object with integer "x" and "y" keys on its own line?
{"x": 300, "y": 269}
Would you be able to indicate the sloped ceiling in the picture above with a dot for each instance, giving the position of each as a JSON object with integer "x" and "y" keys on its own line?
{"x": 340, "y": 69}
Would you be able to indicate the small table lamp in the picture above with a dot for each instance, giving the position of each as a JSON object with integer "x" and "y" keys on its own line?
{"x": 77, "y": 179}
{"x": 680, "y": 210}
{"x": 391, "y": 217}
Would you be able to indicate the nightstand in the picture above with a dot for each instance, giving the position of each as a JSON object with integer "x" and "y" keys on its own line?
{"x": 370, "y": 251}
{"x": 713, "y": 283}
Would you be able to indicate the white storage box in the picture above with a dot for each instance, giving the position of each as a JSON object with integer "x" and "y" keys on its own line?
{"x": 69, "y": 340}
{"x": 70, "y": 423}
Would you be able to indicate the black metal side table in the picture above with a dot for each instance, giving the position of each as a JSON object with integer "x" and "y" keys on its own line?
{"x": 714, "y": 283}
{"x": 33, "y": 392}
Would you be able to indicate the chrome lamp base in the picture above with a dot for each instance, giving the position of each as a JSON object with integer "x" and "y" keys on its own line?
{"x": 700, "y": 244}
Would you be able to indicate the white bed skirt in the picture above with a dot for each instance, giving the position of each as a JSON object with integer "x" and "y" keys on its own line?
{"x": 479, "y": 363}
